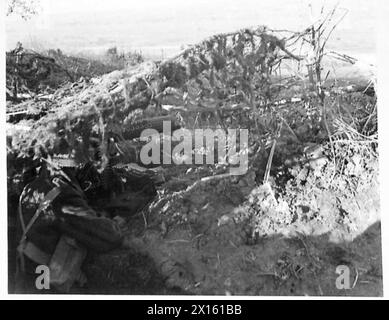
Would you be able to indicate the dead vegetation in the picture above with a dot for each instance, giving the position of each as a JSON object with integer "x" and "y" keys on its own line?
{"x": 311, "y": 191}
{"x": 31, "y": 73}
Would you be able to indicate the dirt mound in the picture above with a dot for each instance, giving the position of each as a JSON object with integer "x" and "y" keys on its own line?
{"x": 231, "y": 236}
{"x": 308, "y": 203}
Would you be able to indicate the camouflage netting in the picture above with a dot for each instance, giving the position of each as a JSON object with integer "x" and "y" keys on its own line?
{"x": 211, "y": 235}
{"x": 228, "y": 72}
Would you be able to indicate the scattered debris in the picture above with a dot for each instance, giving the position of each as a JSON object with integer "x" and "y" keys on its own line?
{"x": 205, "y": 231}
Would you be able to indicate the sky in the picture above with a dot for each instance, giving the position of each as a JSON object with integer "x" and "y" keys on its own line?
{"x": 58, "y": 6}
{"x": 155, "y": 25}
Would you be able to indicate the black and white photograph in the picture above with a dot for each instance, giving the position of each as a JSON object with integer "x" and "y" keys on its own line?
{"x": 192, "y": 148}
